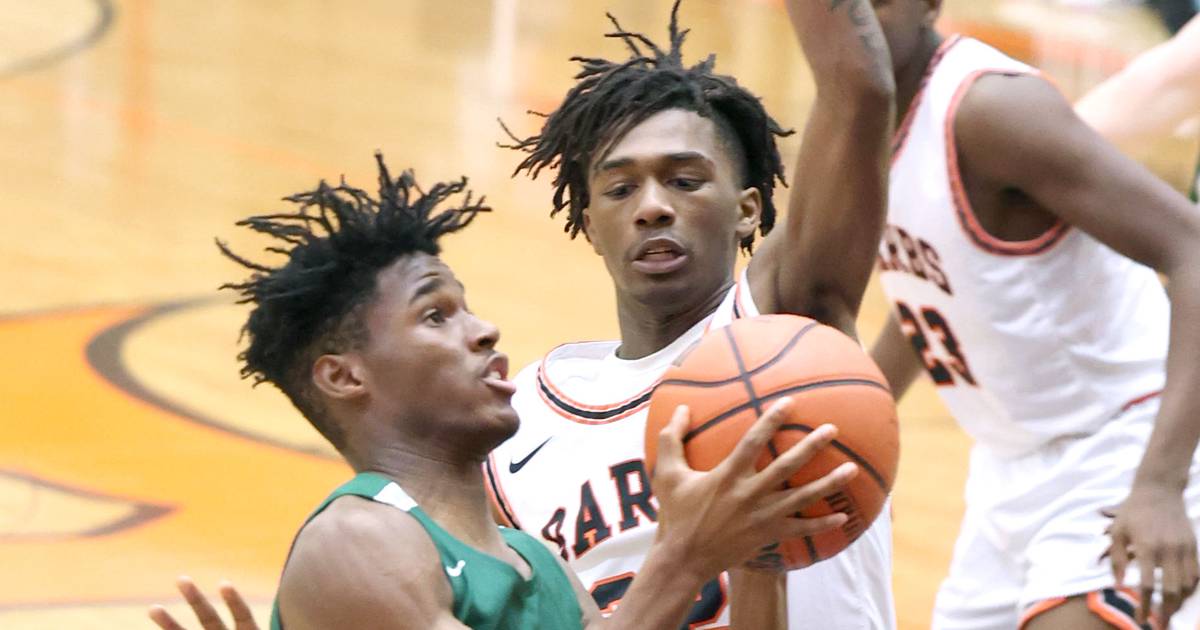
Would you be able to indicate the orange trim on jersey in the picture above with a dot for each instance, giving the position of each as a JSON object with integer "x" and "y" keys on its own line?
{"x": 1118, "y": 618}
{"x": 723, "y": 583}
{"x": 1139, "y": 400}
{"x": 556, "y": 408}
{"x": 495, "y": 492}
{"x": 558, "y": 393}
{"x": 900, "y": 137}
{"x": 1039, "y": 608}
{"x": 962, "y": 204}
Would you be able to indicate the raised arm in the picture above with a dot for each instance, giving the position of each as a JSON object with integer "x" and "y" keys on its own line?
{"x": 1056, "y": 159}
{"x": 819, "y": 261}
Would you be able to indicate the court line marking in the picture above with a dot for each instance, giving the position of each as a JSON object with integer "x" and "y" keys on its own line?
{"x": 101, "y": 27}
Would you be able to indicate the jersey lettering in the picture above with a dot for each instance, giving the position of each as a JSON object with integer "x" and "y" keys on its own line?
{"x": 915, "y": 329}
{"x": 553, "y": 532}
{"x": 590, "y": 527}
{"x": 631, "y": 501}
{"x": 902, "y": 252}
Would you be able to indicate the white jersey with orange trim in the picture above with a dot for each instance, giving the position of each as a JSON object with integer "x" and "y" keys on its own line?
{"x": 1027, "y": 341}
{"x": 574, "y": 476}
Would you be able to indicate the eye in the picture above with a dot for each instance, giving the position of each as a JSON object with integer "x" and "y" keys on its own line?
{"x": 619, "y": 191}
{"x": 687, "y": 183}
{"x": 434, "y": 316}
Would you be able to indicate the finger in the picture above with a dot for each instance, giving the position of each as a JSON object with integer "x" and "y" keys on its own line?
{"x": 1146, "y": 589}
{"x": 796, "y": 527}
{"x": 205, "y": 613}
{"x": 670, "y": 442}
{"x": 1109, "y": 512}
{"x": 163, "y": 619}
{"x": 1172, "y": 589}
{"x": 755, "y": 440}
{"x": 797, "y": 499}
{"x": 793, "y": 459}
{"x": 1119, "y": 552}
{"x": 243, "y": 619}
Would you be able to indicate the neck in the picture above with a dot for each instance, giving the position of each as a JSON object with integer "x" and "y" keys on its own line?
{"x": 647, "y": 328}
{"x": 909, "y": 77}
{"x": 449, "y": 490}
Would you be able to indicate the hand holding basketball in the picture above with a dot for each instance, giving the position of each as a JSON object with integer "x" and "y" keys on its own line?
{"x": 725, "y": 516}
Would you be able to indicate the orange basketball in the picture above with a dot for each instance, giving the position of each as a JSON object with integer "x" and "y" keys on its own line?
{"x": 734, "y": 374}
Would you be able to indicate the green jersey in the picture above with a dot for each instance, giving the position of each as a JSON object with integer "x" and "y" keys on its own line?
{"x": 1196, "y": 183}
{"x": 488, "y": 593}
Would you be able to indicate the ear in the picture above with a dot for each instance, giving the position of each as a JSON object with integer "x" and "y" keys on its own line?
{"x": 339, "y": 376}
{"x": 587, "y": 231}
{"x": 749, "y": 212}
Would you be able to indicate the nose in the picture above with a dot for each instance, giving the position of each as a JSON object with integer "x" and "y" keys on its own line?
{"x": 485, "y": 335}
{"x": 654, "y": 209}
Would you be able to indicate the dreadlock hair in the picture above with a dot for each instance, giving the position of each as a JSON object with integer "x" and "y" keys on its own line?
{"x": 335, "y": 244}
{"x": 611, "y": 98}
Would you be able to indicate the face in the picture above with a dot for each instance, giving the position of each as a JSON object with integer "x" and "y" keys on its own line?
{"x": 430, "y": 364}
{"x": 905, "y": 24}
{"x": 667, "y": 212}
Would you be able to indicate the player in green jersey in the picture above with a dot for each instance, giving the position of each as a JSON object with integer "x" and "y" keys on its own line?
{"x": 368, "y": 333}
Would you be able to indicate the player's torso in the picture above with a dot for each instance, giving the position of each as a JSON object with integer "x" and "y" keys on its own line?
{"x": 574, "y": 474}
{"x": 1026, "y": 340}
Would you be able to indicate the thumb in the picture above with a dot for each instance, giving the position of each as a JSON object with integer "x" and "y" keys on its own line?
{"x": 670, "y": 443}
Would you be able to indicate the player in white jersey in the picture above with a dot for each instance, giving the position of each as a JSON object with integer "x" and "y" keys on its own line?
{"x": 667, "y": 170}
{"x": 1019, "y": 255}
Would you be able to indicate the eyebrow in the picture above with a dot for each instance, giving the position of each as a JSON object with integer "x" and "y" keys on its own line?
{"x": 682, "y": 156}
{"x": 428, "y": 284}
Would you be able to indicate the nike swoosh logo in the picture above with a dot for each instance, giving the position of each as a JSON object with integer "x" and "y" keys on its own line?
{"x": 515, "y": 467}
{"x": 457, "y": 569}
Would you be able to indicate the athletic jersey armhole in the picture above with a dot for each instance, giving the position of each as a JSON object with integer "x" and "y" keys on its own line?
{"x": 962, "y": 204}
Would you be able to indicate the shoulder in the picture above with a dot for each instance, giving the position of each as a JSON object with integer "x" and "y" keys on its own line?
{"x": 1003, "y": 113}
{"x": 359, "y": 554}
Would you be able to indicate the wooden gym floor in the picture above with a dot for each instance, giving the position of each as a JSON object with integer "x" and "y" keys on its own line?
{"x": 134, "y": 132}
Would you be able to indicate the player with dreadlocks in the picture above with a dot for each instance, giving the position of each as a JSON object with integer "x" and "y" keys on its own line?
{"x": 367, "y": 331}
{"x": 669, "y": 170}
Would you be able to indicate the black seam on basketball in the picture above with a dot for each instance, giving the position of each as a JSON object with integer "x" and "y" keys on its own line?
{"x": 848, "y": 452}
{"x": 839, "y": 382}
{"x": 742, "y": 375}
{"x": 772, "y": 361}
{"x": 812, "y": 549}
{"x": 603, "y": 414}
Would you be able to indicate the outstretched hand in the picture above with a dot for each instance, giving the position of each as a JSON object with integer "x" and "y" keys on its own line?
{"x": 205, "y": 613}
{"x": 726, "y": 515}
{"x": 1152, "y": 528}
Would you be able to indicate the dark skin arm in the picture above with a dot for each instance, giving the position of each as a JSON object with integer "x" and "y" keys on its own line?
{"x": 894, "y": 354}
{"x": 818, "y": 263}
{"x": 1069, "y": 173}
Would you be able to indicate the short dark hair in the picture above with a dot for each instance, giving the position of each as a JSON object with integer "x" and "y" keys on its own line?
{"x": 610, "y": 98}
{"x": 336, "y": 244}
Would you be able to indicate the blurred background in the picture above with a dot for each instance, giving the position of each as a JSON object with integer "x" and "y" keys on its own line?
{"x": 134, "y": 132}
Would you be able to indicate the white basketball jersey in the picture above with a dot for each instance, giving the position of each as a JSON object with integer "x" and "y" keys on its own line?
{"x": 574, "y": 476}
{"x": 1027, "y": 341}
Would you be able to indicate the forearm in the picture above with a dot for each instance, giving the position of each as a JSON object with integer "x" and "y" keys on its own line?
{"x": 894, "y": 355}
{"x": 844, "y": 45}
{"x": 758, "y": 600}
{"x": 663, "y": 591}
{"x": 1176, "y": 432}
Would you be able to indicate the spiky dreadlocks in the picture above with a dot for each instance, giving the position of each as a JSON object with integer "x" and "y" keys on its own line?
{"x": 611, "y": 98}
{"x": 336, "y": 244}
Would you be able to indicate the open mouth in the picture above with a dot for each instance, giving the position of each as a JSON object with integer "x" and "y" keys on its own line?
{"x": 659, "y": 256}
{"x": 495, "y": 375}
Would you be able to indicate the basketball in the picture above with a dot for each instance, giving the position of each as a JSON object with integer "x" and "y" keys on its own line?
{"x": 734, "y": 374}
